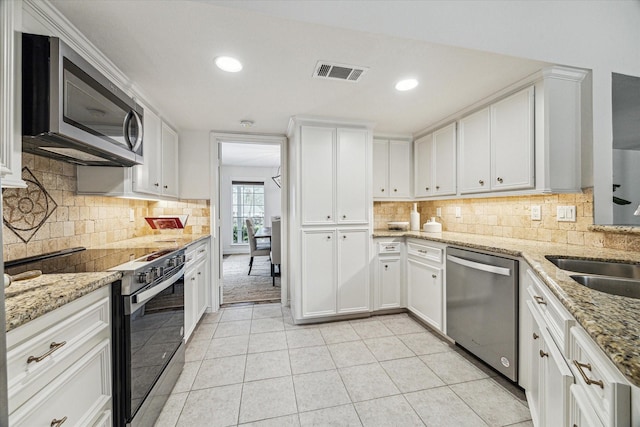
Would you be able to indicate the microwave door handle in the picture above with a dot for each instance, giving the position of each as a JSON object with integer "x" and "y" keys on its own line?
{"x": 125, "y": 129}
{"x": 145, "y": 296}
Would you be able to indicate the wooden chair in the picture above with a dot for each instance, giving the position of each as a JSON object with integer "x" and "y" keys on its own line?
{"x": 257, "y": 249}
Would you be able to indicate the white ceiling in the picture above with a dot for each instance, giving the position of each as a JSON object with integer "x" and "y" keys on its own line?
{"x": 250, "y": 155}
{"x": 167, "y": 48}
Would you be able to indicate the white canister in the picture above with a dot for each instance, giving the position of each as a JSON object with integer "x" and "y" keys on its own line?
{"x": 415, "y": 218}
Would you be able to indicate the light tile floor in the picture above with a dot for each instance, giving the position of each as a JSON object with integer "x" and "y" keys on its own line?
{"x": 252, "y": 366}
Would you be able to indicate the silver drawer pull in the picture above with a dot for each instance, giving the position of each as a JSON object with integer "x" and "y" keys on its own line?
{"x": 543, "y": 354}
{"x": 201, "y": 251}
{"x": 56, "y": 423}
{"x": 434, "y": 276}
{"x": 535, "y": 336}
{"x": 422, "y": 251}
{"x": 52, "y": 347}
{"x": 586, "y": 379}
{"x": 540, "y": 300}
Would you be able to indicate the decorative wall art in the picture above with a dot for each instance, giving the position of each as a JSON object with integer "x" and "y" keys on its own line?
{"x": 25, "y": 210}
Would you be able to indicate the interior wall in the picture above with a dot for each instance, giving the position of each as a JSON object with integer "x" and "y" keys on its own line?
{"x": 511, "y": 217}
{"x": 88, "y": 221}
{"x": 272, "y": 205}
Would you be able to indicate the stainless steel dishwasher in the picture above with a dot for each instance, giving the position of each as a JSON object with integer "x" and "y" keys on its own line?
{"x": 482, "y": 307}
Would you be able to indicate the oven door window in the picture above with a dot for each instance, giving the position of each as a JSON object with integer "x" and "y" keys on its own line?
{"x": 157, "y": 329}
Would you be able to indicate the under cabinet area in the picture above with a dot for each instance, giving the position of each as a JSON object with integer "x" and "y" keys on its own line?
{"x": 391, "y": 169}
{"x": 59, "y": 365}
{"x": 425, "y": 281}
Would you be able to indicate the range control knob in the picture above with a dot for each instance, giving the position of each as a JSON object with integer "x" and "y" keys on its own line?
{"x": 145, "y": 277}
{"x": 172, "y": 262}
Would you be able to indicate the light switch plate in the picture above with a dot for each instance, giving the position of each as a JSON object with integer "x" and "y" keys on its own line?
{"x": 566, "y": 213}
{"x": 458, "y": 212}
{"x": 438, "y": 211}
{"x": 536, "y": 213}
{"x": 132, "y": 216}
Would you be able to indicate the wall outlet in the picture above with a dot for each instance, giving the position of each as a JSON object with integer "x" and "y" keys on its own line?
{"x": 536, "y": 213}
{"x": 439, "y": 211}
{"x": 566, "y": 213}
{"x": 458, "y": 212}
{"x": 132, "y": 216}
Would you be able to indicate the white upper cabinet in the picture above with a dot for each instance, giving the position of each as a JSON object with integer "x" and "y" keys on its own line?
{"x": 475, "y": 152}
{"x": 512, "y": 144}
{"x": 10, "y": 111}
{"x": 147, "y": 176}
{"x": 391, "y": 169}
{"x": 423, "y": 165}
{"x": 352, "y": 176}
{"x": 317, "y": 174}
{"x": 333, "y": 175}
{"x": 169, "y": 162}
{"x": 435, "y": 163}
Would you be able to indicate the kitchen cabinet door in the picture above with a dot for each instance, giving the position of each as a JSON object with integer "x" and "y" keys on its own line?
{"x": 425, "y": 292}
{"x": 380, "y": 168}
{"x": 169, "y": 161}
{"x": 352, "y": 197}
{"x": 423, "y": 166}
{"x": 317, "y": 175}
{"x": 190, "y": 302}
{"x": 353, "y": 271}
{"x": 475, "y": 152}
{"x": 147, "y": 177}
{"x": 318, "y": 279}
{"x": 444, "y": 161}
{"x": 399, "y": 169}
{"x": 389, "y": 283}
{"x": 202, "y": 288}
{"x": 512, "y": 150}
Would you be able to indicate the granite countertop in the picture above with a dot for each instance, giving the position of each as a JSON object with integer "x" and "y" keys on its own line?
{"x": 612, "y": 321}
{"x": 29, "y": 299}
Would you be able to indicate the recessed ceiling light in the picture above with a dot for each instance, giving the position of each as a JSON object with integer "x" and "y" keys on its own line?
{"x": 407, "y": 84}
{"x": 227, "y": 63}
{"x": 246, "y": 123}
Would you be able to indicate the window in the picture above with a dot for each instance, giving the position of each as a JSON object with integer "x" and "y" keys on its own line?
{"x": 248, "y": 202}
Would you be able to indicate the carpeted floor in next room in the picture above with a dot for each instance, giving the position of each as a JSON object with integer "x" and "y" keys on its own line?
{"x": 239, "y": 287}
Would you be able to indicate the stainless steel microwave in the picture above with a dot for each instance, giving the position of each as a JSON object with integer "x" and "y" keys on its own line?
{"x": 71, "y": 112}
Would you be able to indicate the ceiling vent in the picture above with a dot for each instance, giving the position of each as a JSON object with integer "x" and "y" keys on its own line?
{"x": 335, "y": 71}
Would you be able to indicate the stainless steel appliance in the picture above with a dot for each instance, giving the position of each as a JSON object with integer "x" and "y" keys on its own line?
{"x": 482, "y": 307}
{"x": 147, "y": 319}
{"x": 71, "y": 112}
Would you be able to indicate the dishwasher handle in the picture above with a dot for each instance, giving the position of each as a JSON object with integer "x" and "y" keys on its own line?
{"x": 480, "y": 266}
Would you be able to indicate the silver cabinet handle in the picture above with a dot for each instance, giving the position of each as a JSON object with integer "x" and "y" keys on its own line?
{"x": 344, "y": 217}
{"x": 328, "y": 216}
{"x": 437, "y": 187}
{"x": 193, "y": 278}
{"x": 157, "y": 184}
{"x": 57, "y": 423}
{"x": 543, "y": 354}
{"x": 586, "y": 379}
{"x": 481, "y": 182}
{"x": 540, "y": 300}
{"x": 395, "y": 190}
{"x": 386, "y": 267}
{"x": 434, "y": 276}
{"x": 52, "y": 347}
{"x": 328, "y": 237}
{"x": 166, "y": 186}
{"x": 499, "y": 180}
{"x": 382, "y": 190}
{"x": 535, "y": 336}
{"x": 426, "y": 188}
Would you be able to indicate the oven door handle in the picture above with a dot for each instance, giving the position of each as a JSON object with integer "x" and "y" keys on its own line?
{"x": 145, "y": 296}
{"x": 480, "y": 266}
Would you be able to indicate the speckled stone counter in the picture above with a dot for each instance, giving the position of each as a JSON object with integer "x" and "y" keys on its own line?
{"x": 29, "y": 299}
{"x": 613, "y": 322}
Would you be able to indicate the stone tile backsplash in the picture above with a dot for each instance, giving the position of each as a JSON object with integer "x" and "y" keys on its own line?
{"x": 90, "y": 221}
{"x": 511, "y": 217}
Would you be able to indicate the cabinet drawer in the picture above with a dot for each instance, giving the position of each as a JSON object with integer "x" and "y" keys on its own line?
{"x": 389, "y": 248}
{"x": 558, "y": 319}
{"x": 79, "y": 394}
{"x": 425, "y": 252}
{"x": 604, "y": 387}
{"x": 74, "y": 335}
{"x": 582, "y": 413}
{"x": 196, "y": 252}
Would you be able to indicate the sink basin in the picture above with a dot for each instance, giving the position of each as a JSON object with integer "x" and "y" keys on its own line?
{"x": 611, "y": 285}
{"x": 614, "y": 269}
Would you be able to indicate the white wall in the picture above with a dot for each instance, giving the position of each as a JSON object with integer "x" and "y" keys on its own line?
{"x": 195, "y": 165}
{"x": 272, "y": 206}
{"x": 601, "y": 35}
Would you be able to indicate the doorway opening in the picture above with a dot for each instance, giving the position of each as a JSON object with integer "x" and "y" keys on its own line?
{"x": 250, "y": 202}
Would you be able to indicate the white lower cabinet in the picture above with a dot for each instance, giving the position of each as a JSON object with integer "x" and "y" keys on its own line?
{"x": 389, "y": 283}
{"x": 425, "y": 282}
{"x": 570, "y": 382}
{"x": 59, "y": 365}
{"x": 197, "y": 285}
{"x": 335, "y": 273}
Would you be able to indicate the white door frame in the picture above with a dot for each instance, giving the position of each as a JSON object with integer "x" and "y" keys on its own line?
{"x": 215, "y": 140}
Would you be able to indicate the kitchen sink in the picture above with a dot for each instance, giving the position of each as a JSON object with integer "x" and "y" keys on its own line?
{"x": 611, "y": 285}
{"x": 604, "y": 268}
